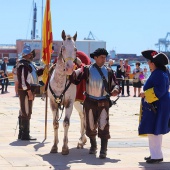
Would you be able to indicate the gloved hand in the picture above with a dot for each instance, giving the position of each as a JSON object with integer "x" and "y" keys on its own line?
{"x": 117, "y": 90}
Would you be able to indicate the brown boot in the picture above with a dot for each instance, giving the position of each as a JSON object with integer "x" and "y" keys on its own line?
{"x": 103, "y": 150}
{"x": 93, "y": 148}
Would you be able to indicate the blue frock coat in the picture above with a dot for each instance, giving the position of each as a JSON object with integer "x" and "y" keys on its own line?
{"x": 156, "y": 123}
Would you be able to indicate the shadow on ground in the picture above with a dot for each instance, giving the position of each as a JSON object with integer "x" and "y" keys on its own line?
{"x": 158, "y": 166}
{"x": 76, "y": 156}
{"x": 22, "y": 143}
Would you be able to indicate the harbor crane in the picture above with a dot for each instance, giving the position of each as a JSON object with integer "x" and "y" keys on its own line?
{"x": 90, "y": 36}
{"x": 33, "y": 31}
{"x": 163, "y": 44}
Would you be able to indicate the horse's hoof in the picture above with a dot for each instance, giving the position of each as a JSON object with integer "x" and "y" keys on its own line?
{"x": 80, "y": 146}
{"x": 54, "y": 150}
{"x": 84, "y": 141}
{"x": 65, "y": 151}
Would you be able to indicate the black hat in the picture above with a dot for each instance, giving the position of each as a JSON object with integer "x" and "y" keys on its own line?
{"x": 155, "y": 57}
{"x": 98, "y": 52}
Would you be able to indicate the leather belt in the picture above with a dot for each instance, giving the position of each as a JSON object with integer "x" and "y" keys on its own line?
{"x": 100, "y": 103}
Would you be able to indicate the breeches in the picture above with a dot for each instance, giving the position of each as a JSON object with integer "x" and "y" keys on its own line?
{"x": 25, "y": 105}
{"x": 155, "y": 146}
{"x": 97, "y": 118}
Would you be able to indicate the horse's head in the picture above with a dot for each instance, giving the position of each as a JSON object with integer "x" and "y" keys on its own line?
{"x": 68, "y": 52}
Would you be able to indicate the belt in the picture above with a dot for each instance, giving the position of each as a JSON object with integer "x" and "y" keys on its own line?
{"x": 103, "y": 103}
{"x": 100, "y": 103}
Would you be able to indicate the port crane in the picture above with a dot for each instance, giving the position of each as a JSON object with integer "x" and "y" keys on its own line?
{"x": 163, "y": 44}
{"x": 90, "y": 36}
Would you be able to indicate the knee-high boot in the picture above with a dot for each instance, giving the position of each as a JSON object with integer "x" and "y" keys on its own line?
{"x": 26, "y": 130}
{"x": 103, "y": 150}
{"x": 20, "y": 128}
{"x": 93, "y": 148}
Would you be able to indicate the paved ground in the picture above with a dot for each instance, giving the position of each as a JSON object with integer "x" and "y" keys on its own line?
{"x": 126, "y": 149}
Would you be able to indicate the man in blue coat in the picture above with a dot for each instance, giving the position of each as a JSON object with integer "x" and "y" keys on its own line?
{"x": 155, "y": 109}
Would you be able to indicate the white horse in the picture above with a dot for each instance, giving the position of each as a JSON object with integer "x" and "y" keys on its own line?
{"x": 62, "y": 93}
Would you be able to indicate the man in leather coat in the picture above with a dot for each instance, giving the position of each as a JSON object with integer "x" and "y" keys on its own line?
{"x": 27, "y": 75}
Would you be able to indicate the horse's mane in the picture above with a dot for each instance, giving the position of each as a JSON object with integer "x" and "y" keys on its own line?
{"x": 68, "y": 37}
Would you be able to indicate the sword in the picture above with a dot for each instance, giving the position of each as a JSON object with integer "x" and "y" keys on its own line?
{"x": 114, "y": 101}
{"x": 153, "y": 107}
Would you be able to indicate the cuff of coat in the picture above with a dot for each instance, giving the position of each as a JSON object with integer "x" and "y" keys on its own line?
{"x": 150, "y": 95}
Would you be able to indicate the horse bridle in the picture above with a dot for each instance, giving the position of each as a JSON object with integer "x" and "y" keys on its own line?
{"x": 58, "y": 99}
{"x": 67, "y": 58}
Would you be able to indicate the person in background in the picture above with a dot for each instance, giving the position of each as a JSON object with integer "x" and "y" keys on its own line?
{"x": 145, "y": 72}
{"x": 27, "y": 75}
{"x": 110, "y": 63}
{"x": 2, "y": 80}
{"x": 14, "y": 71}
{"x": 155, "y": 107}
{"x": 4, "y": 68}
{"x": 127, "y": 72}
{"x": 137, "y": 84}
{"x": 96, "y": 104}
{"x": 120, "y": 75}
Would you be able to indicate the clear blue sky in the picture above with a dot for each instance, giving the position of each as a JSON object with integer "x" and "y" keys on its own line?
{"x": 127, "y": 26}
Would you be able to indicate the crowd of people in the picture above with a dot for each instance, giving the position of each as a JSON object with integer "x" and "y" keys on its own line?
{"x": 123, "y": 72}
{"x": 101, "y": 82}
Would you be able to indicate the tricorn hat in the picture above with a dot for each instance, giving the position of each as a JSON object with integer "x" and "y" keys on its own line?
{"x": 98, "y": 52}
{"x": 27, "y": 50}
{"x": 155, "y": 57}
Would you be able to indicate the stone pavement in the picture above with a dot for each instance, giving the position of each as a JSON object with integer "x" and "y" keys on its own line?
{"x": 126, "y": 149}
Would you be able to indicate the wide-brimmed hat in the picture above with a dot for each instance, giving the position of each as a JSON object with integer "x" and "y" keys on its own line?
{"x": 155, "y": 57}
{"x": 27, "y": 50}
{"x": 98, "y": 52}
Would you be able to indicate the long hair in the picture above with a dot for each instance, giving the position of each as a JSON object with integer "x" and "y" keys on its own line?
{"x": 160, "y": 66}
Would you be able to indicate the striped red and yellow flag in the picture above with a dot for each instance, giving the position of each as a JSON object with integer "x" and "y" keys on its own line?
{"x": 47, "y": 40}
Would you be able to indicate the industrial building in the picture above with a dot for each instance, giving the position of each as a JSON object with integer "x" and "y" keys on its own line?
{"x": 13, "y": 51}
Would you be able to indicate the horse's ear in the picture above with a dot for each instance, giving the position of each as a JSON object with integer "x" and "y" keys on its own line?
{"x": 63, "y": 35}
{"x": 75, "y": 36}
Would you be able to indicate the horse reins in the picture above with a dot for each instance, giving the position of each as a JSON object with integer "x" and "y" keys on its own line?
{"x": 58, "y": 99}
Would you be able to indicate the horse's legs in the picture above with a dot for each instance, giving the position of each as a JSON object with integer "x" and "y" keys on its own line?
{"x": 66, "y": 124}
{"x": 54, "y": 109}
{"x": 78, "y": 106}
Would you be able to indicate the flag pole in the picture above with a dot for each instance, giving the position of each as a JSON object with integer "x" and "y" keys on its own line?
{"x": 46, "y": 104}
{"x": 41, "y": 33}
{"x": 46, "y": 97}
{"x": 47, "y": 39}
